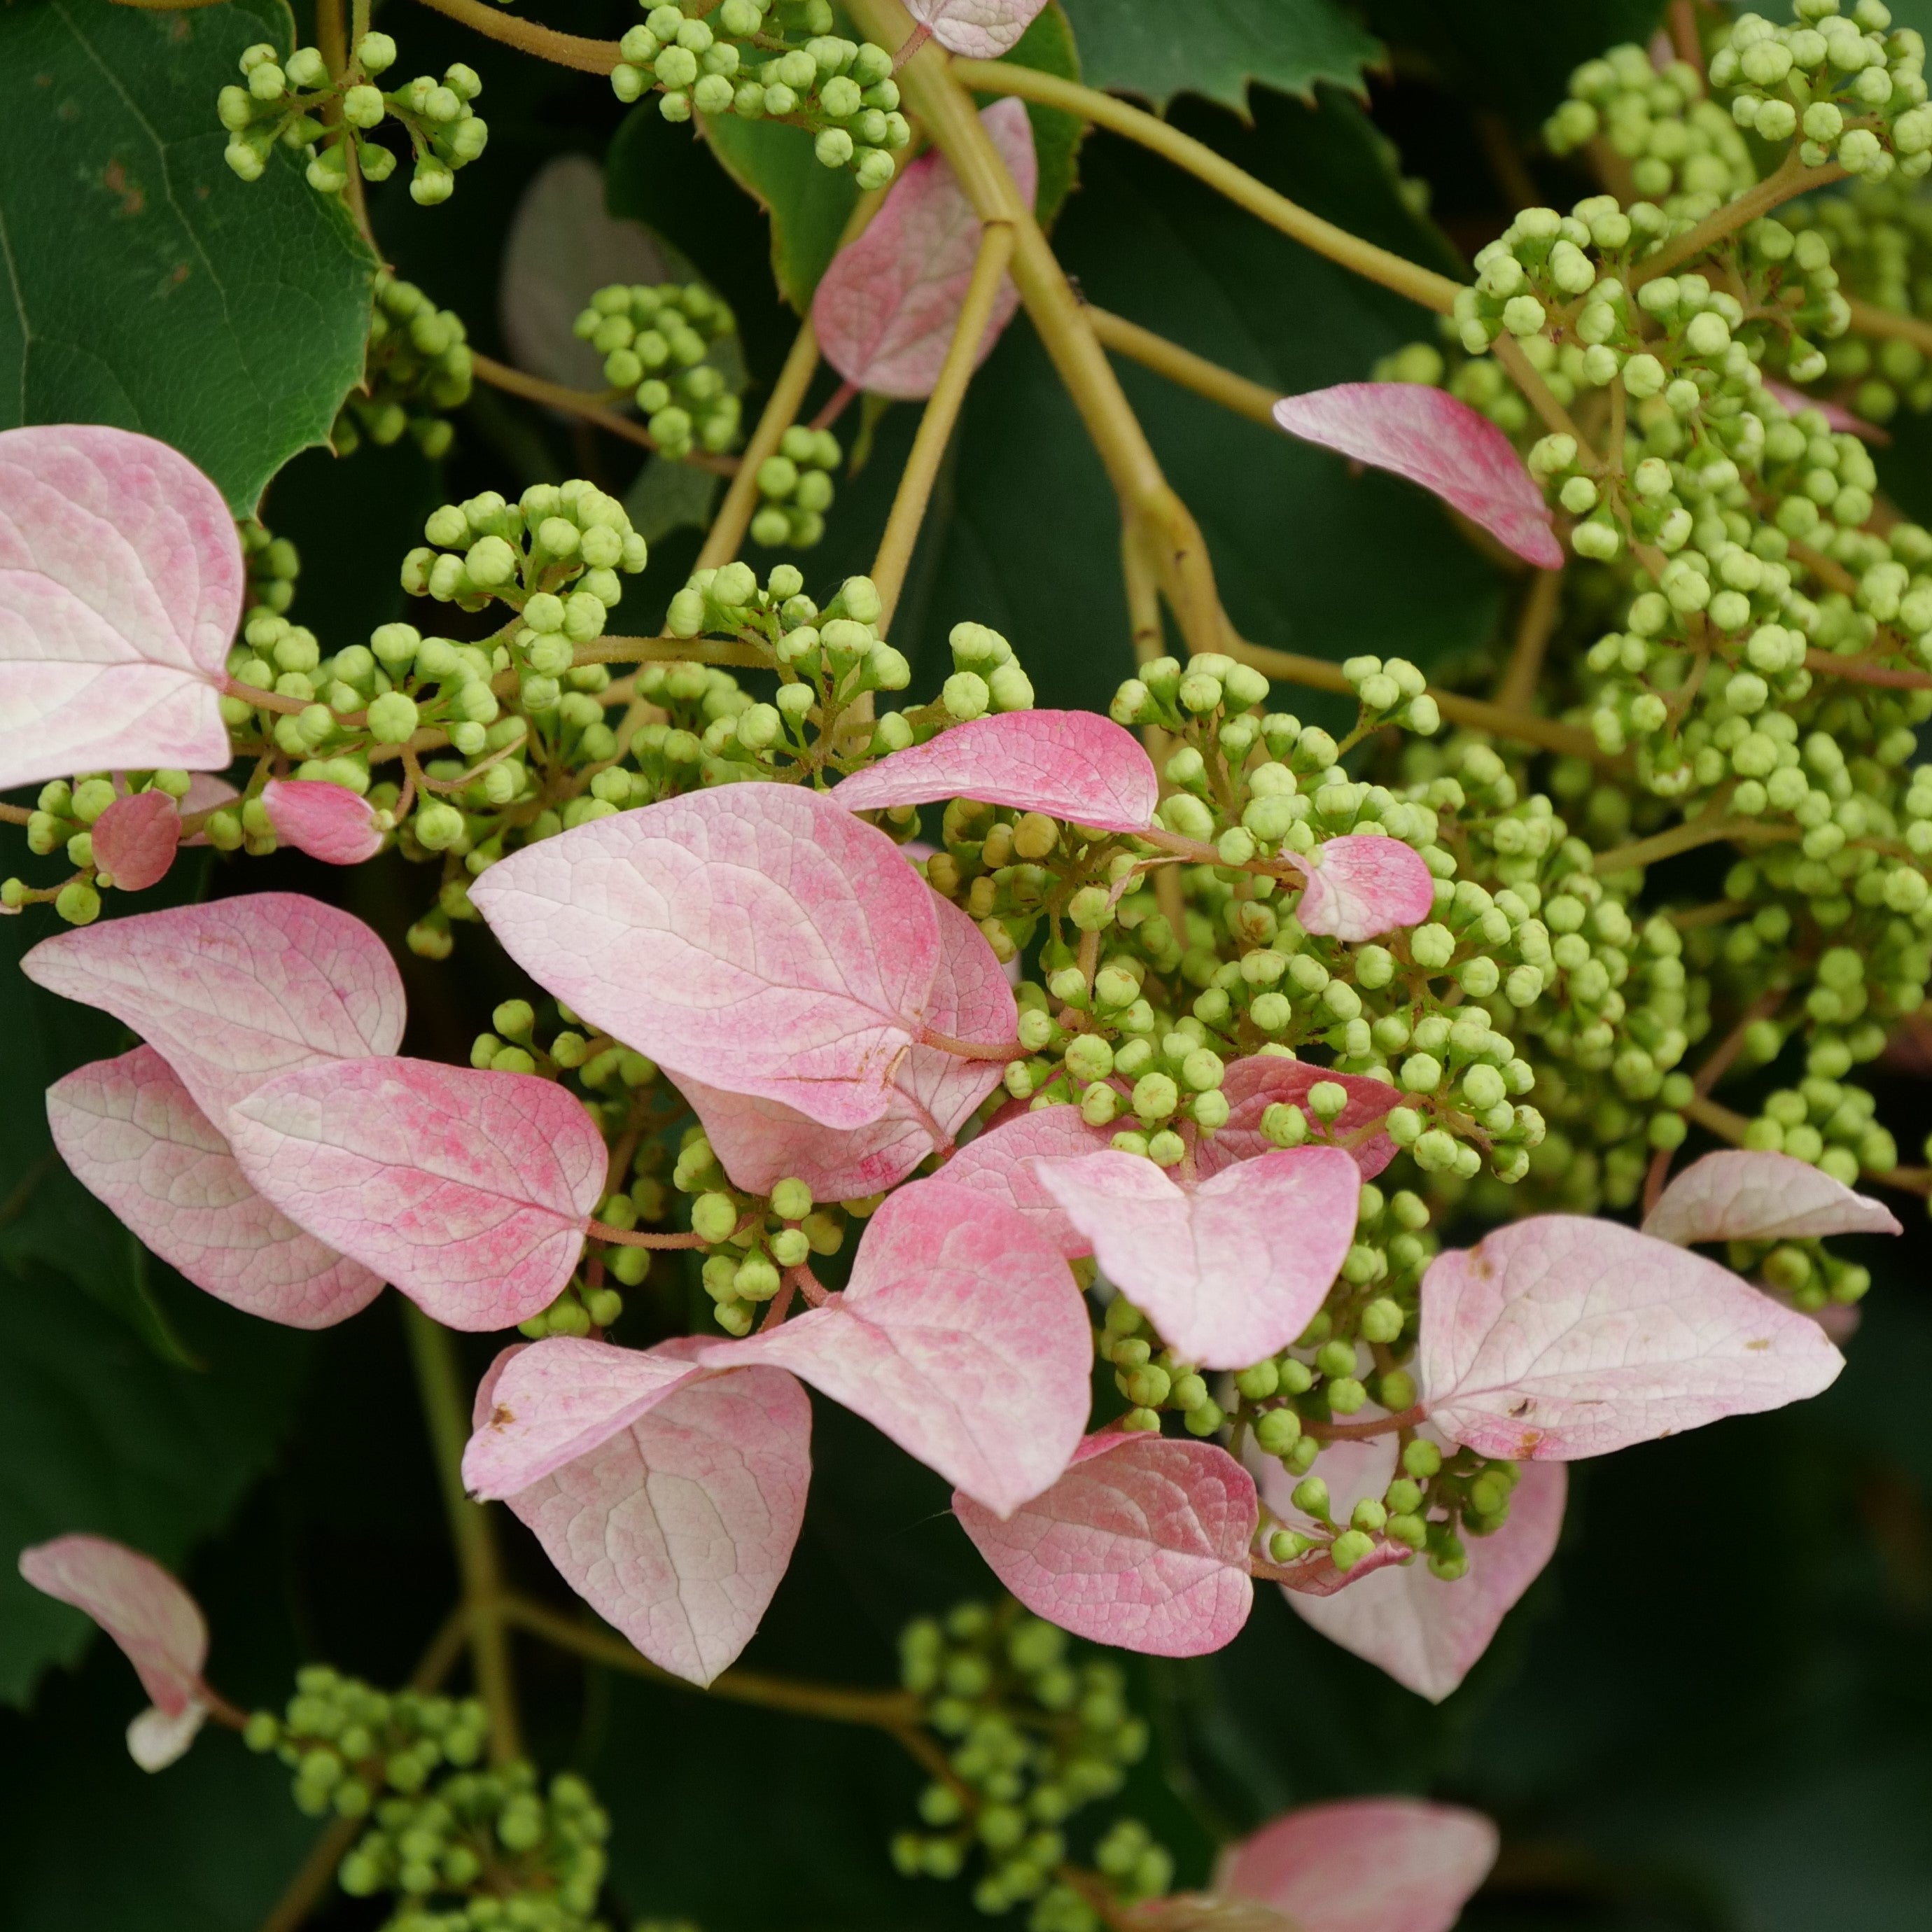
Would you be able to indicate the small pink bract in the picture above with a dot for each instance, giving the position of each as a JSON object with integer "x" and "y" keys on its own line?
{"x": 1362, "y": 884}
{"x": 979, "y": 29}
{"x": 135, "y": 840}
{"x": 329, "y": 822}
{"x": 1256, "y": 1083}
{"x": 1737, "y": 1194}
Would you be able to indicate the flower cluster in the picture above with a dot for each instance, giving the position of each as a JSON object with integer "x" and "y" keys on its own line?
{"x": 418, "y": 369}
{"x": 666, "y": 347}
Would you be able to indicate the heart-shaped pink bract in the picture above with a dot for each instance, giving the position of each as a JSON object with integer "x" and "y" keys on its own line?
{"x": 1006, "y": 1161}
{"x": 121, "y": 581}
{"x": 1229, "y": 1271}
{"x": 233, "y": 993}
{"x": 1562, "y": 1337}
{"x": 470, "y": 1190}
{"x": 205, "y": 793}
{"x": 677, "y": 1524}
{"x": 135, "y": 840}
{"x": 1257, "y": 1082}
{"x": 1741, "y": 1196}
{"x": 1367, "y": 1864}
{"x": 886, "y": 309}
{"x": 979, "y": 29}
{"x": 1363, "y": 883}
{"x": 961, "y": 1336}
{"x": 761, "y": 1142}
{"x": 1072, "y": 765}
{"x": 1143, "y": 1544}
{"x": 158, "y": 1624}
{"x": 1428, "y": 436}
{"x": 329, "y": 822}
{"x": 1427, "y": 1633}
{"x": 134, "y": 1137}
{"x": 758, "y": 935}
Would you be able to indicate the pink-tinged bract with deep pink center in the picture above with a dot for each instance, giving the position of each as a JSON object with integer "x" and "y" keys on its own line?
{"x": 676, "y": 1525}
{"x": 121, "y": 582}
{"x": 1006, "y": 1161}
{"x": 1258, "y": 1082}
{"x": 1427, "y": 1633}
{"x": 1362, "y": 884}
{"x": 1561, "y": 1337}
{"x": 1738, "y": 1194}
{"x": 469, "y": 1190}
{"x": 756, "y": 935}
{"x": 1429, "y": 437}
{"x": 134, "y": 1137}
{"x": 1143, "y": 1544}
{"x": 1365, "y": 1864}
{"x": 233, "y": 993}
{"x": 135, "y": 840}
{"x": 1072, "y": 765}
{"x": 979, "y": 29}
{"x": 329, "y": 822}
{"x": 887, "y": 308}
{"x": 961, "y": 1336}
{"x": 759, "y": 1142}
{"x": 1231, "y": 1271}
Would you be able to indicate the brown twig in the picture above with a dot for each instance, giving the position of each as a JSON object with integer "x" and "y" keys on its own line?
{"x": 1254, "y": 401}
{"x": 570, "y": 50}
{"x": 1517, "y": 691}
{"x": 593, "y": 408}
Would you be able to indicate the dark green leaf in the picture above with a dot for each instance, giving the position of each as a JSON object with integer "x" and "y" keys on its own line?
{"x": 1216, "y": 47}
{"x": 147, "y": 287}
{"x": 1048, "y": 46}
{"x": 809, "y": 203}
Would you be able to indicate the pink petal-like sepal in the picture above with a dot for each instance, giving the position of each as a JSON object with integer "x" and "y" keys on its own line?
{"x": 756, "y": 935}
{"x": 233, "y": 993}
{"x": 120, "y": 579}
{"x": 1561, "y": 1337}
{"x": 158, "y": 1625}
{"x": 979, "y": 29}
{"x": 1368, "y": 1865}
{"x": 1073, "y": 765}
{"x": 469, "y": 1190}
{"x": 1257, "y": 1083}
{"x": 1363, "y": 883}
{"x": 1432, "y": 439}
{"x": 886, "y": 309}
{"x": 1738, "y": 1195}
{"x": 329, "y": 822}
{"x": 1007, "y": 1160}
{"x": 1231, "y": 1271}
{"x": 134, "y": 1138}
{"x": 961, "y": 1336}
{"x": 1143, "y": 1544}
{"x": 135, "y": 840}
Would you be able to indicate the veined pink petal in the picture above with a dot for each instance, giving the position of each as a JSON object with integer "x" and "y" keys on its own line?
{"x": 979, "y": 29}
{"x": 1074, "y": 765}
{"x": 329, "y": 822}
{"x": 469, "y": 1190}
{"x": 1256, "y": 1084}
{"x": 1367, "y": 1864}
{"x": 158, "y": 1624}
{"x": 1739, "y": 1196}
{"x": 677, "y": 1522}
{"x": 1426, "y": 1633}
{"x": 232, "y": 993}
{"x": 135, "y": 840}
{"x": 1562, "y": 1337}
{"x": 1363, "y": 883}
{"x": 134, "y": 1138}
{"x": 1228, "y": 1271}
{"x": 886, "y": 309}
{"x": 1143, "y": 1544}
{"x": 761, "y": 1142}
{"x": 120, "y": 579}
{"x": 1431, "y": 438}
{"x": 1005, "y": 1162}
{"x": 961, "y": 1336}
{"x": 756, "y": 935}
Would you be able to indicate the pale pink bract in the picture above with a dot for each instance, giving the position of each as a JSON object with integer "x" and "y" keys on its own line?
{"x": 1363, "y": 883}
{"x": 135, "y": 840}
{"x": 1432, "y": 439}
{"x": 1259, "y": 1081}
{"x": 329, "y": 822}
{"x": 1009, "y": 1158}
{"x": 886, "y": 309}
{"x": 979, "y": 29}
{"x": 121, "y": 582}
{"x": 1739, "y": 1196}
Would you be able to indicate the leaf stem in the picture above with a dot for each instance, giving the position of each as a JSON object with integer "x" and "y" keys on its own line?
{"x": 972, "y": 1049}
{"x": 629, "y": 1238}
{"x": 672, "y": 650}
{"x": 593, "y": 409}
{"x": 1707, "y": 830}
{"x": 741, "y": 500}
{"x": 941, "y": 414}
{"x": 1829, "y": 663}
{"x": 1793, "y": 178}
{"x": 1868, "y": 319}
{"x": 1254, "y": 401}
{"x": 1517, "y": 691}
{"x": 570, "y": 50}
{"x": 1364, "y": 1431}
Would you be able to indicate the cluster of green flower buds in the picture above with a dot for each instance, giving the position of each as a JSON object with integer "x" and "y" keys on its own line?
{"x": 273, "y": 566}
{"x": 795, "y": 489}
{"x": 730, "y": 60}
{"x": 418, "y": 369}
{"x": 673, "y": 350}
{"x": 1033, "y": 1734}
{"x": 62, "y": 820}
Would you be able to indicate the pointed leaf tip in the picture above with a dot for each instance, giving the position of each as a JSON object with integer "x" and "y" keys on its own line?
{"x": 469, "y": 1190}
{"x": 1142, "y": 1543}
{"x": 1432, "y": 439}
{"x": 135, "y": 840}
{"x": 1363, "y": 884}
{"x": 329, "y": 822}
{"x": 1068, "y": 764}
{"x": 1738, "y": 1195}
{"x": 121, "y": 581}
{"x": 979, "y": 29}
{"x": 1562, "y": 1336}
